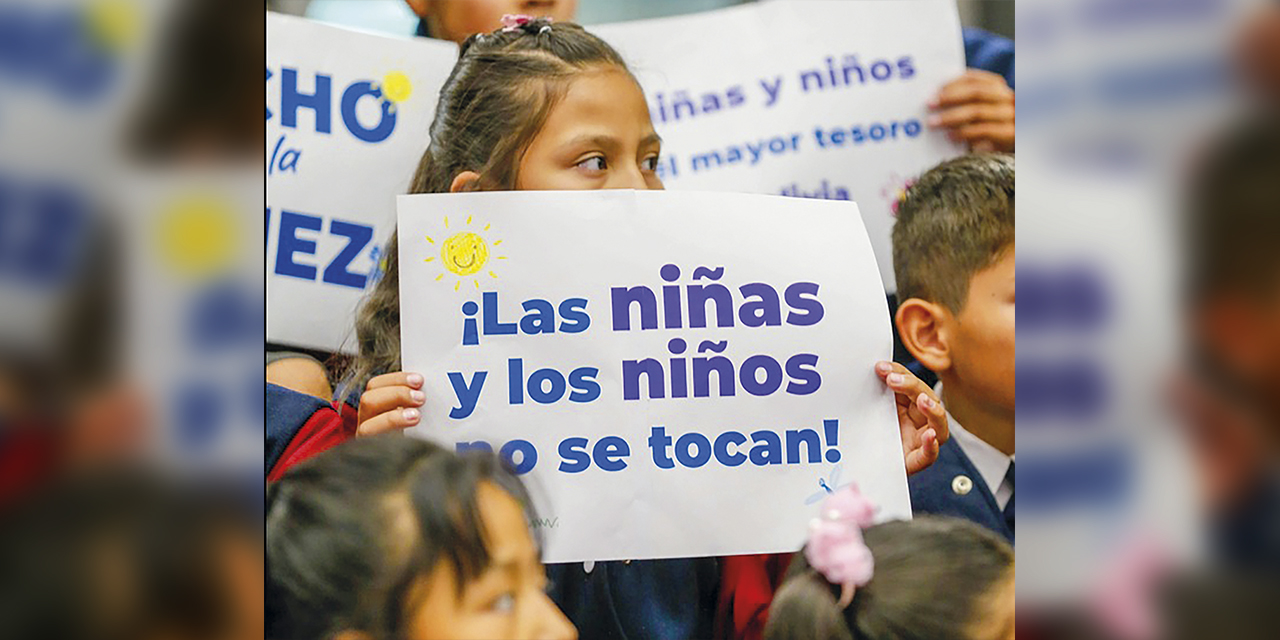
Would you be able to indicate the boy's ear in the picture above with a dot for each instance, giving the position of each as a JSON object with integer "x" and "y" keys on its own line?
{"x": 465, "y": 181}
{"x": 925, "y": 329}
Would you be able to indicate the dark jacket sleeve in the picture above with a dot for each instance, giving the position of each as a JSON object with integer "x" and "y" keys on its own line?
{"x": 671, "y": 599}
{"x": 989, "y": 52}
{"x": 299, "y": 426}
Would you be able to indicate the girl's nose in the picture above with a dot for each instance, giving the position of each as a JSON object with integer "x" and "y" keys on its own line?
{"x": 629, "y": 177}
{"x": 552, "y": 623}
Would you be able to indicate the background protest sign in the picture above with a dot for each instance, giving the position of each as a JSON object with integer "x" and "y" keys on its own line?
{"x": 193, "y": 314}
{"x": 811, "y": 99}
{"x": 649, "y": 360}
{"x": 819, "y": 99}
{"x": 347, "y": 120}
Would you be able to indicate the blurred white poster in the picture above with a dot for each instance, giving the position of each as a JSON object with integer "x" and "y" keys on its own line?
{"x": 193, "y": 307}
{"x": 645, "y": 359}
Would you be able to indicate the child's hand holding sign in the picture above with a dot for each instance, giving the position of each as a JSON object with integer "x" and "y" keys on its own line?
{"x": 921, "y": 417}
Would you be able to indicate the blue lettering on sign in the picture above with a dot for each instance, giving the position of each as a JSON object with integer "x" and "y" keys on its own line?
{"x": 290, "y": 244}
{"x": 43, "y": 231}
{"x": 56, "y": 49}
{"x": 386, "y": 124}
{"x": 298, "y": 236}
{"x": 358, "y": 237}
{"x": 319, "y": 100}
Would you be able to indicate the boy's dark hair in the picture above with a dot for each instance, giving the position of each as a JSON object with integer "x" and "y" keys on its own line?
{"x": 956, "y": 220}
{"x": 1232, "y": 221}
{"x": 349, "y": 532}
{"x": 934, "y": 578}
{"x": 494, "y": 102}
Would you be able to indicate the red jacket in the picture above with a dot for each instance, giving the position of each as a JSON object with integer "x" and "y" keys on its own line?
{"x": 299, "y": 426}
{"x": 747, "y": 585}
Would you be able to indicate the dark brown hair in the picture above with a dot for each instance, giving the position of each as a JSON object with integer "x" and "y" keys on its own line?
{"x": 956, "y": 220}
{"x": 1232, "y": 217}
{"x": 350, "y": 532}
{"x": 493, "y": 104}
{"x": 934, "y": 579}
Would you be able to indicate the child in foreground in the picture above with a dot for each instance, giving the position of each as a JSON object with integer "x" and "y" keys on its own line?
{"x": 931, "y": 578}
{"x": 391, "y": 537}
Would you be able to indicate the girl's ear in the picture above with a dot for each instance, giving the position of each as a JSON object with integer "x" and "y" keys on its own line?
{"x": 465, "y": 181}
{"x": 925, "y": 329}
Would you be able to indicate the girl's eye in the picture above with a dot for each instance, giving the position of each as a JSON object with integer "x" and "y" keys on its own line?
{"x": 650, "y": 163}
{"x": 594, "y": 163}
{"x": 505, "y": 603}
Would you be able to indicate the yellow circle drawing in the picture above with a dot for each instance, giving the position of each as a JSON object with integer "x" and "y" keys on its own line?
{"x": 197, "y": 235}
{"x": 114, "y": 22}
{"x": 396, "y": 87}
{"x": 464, "y": 253}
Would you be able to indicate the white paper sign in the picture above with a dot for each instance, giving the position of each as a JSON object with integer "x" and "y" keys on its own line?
{"x": 347, "y": 120}
{"x": 819, "y": 99}
{"x": 673, "y": 374}
{"x": 814, "y": 99}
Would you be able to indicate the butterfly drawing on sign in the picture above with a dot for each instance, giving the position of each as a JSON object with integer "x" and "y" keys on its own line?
{"x": 830, "y": 485}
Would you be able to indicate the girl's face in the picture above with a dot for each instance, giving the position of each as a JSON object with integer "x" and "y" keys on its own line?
{"x": 507, "y": 601}
{"x": 599, "y": 136}
{"x": 998, "y": 624}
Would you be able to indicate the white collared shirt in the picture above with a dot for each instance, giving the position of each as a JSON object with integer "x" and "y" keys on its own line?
{"x": 991, "y": 463}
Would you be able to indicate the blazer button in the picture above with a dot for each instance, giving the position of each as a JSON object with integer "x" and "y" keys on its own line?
{"x": 962, "y": 485}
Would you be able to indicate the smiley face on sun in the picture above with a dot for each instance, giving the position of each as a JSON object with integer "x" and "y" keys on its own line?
{"x": 464, "y": 254}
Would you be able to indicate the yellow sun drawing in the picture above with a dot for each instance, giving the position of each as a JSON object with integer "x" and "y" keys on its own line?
{"x": 396, "y": 87}
{"x": 464, "y": 254}
{"x": 197, "y": 234}
{"x": 115, "y": 23}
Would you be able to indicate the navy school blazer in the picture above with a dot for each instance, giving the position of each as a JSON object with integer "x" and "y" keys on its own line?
{"x": 639, "y": 600}
{"x": 932, "y": 492}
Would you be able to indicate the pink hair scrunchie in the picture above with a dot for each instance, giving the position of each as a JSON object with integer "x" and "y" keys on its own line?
{"x": 515, "y": 22}
{"x": 836, "y": 548}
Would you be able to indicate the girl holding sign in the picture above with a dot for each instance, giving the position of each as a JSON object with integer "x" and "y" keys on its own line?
{"x": 541, "y": 106}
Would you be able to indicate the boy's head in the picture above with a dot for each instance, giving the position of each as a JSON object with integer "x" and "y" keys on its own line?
{"x": 1231, "y": 230}
{"x": 953, "y": 252}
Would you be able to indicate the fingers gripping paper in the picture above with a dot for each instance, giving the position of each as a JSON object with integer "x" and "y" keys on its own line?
{"x": 673, "y": 374}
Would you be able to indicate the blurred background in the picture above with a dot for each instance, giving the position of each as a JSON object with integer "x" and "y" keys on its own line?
{"x": 131, "y": 311}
